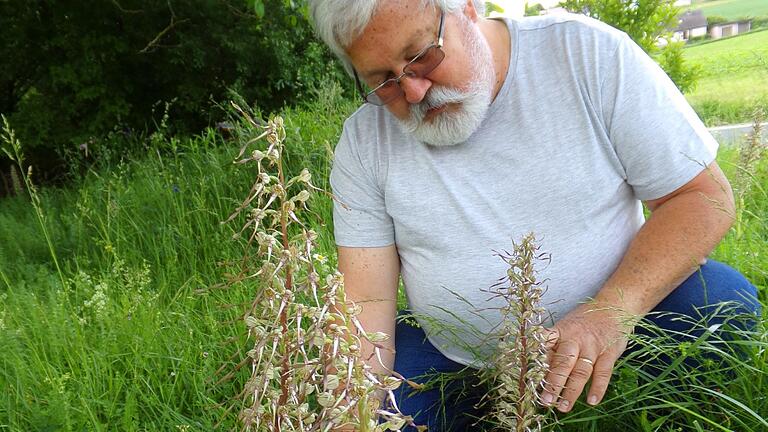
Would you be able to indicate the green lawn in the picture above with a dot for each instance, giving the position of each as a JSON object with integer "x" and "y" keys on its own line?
{"x": 734, "y": 77}
{"x": 126, "y": 337}
{"x": 732, "y": 9}
{"x": 741, "y": 50}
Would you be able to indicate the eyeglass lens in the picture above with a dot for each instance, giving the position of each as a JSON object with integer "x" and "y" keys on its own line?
{"x": 418, "y": 68}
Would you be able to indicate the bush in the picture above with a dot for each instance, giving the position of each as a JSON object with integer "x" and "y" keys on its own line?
{"x": 646, "y": 23}
{"x": 716, "y": 19}
{"x": 81, "y": 72}
{"x": 722, "y": 112}
{"x": 760, "y": 22}
{"x": 684, "y": 75}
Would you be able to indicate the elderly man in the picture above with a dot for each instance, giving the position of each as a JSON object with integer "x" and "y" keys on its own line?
{"x": 476, "y": 131}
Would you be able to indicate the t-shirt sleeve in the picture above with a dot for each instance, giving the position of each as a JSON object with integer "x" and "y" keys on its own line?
{"x": 360, "y": 217}
{"x": 660, "y": 141}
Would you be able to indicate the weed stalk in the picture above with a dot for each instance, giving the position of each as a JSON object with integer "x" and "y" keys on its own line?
{"x": 16, "y": 155}
{"x": 306, "y": 368}
{"x": 520, "y": 364}
{"x": 749, "y": 154}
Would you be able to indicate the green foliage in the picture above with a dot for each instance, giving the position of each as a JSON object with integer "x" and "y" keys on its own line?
{"x": 80, "y": 72}
{"x": 131, "y": 339}
{"x": 716, "y": 19}
{"x": 646, "y": 22}
{"x": 715, "y": 111}
{"x": 760, "y": 22}
{"x": 492, "y": 7}
{"x": 672, "y": 60}
{"x": 534, "y": 9}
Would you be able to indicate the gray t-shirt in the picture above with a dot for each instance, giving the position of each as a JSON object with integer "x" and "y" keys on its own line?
{"x": 584, "y": 127}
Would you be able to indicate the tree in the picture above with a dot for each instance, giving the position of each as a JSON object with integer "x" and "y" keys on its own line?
{"x": 647, "y": 22}
{"x": 75, "y": 71}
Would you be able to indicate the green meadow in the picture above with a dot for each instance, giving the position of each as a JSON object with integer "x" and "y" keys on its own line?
{"x": 733, "y": 79}
{"x": 732, "y": 9}
{"x": 111, "y": 318}
{"x": 122, "y": 301}
{"x": 128, "y": 335}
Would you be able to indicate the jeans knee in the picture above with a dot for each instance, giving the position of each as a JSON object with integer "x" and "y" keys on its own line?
{"x": 716, "y": 292}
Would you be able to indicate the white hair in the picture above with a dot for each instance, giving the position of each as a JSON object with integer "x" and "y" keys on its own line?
{"x": 339, "y": 22}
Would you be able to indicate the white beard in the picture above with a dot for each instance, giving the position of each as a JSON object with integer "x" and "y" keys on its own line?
{"x": 470, "y": 105}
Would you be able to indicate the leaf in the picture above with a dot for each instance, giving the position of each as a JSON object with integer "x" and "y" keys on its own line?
{"x": 325, "y": 399}
{"x": 739, "y": 404}
{"x": 258, "y": 8}
{"x": 492, "y": 7}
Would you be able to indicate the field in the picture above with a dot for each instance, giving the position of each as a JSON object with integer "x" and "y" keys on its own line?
{"x": 734, "y": 77}
{"x": 122, "y": 333}
{"x": 126, "y": 336}
{"x": 732, "y": 9}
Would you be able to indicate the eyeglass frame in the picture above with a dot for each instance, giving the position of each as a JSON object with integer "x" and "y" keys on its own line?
{"x": 397, "y": 80}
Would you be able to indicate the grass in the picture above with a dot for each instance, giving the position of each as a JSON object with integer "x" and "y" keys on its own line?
{"x": 732, "y": 82}
{"x": 129, "y": 341}
{"x": 132, "y": 338}
{"x": 107, "y": 351}
{"x": 732, "y": 9}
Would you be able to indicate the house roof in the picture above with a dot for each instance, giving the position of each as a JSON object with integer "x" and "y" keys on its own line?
{"x": 690, "y": 20}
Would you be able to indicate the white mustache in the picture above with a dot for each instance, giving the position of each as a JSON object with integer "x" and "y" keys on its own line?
{"x": 452, "y": 127}
{"x": 436, "y": 97}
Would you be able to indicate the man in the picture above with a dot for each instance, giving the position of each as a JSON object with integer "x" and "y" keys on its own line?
{"x": 477, "y": 131}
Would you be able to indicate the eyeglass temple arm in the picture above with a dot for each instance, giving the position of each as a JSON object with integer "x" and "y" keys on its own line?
{"x": 359, "y": 85}
{"x": 440, "y": 31}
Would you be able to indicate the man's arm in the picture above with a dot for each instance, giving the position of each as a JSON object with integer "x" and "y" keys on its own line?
{"x": 370, "y": 280}
{"x": 683, "y": 229}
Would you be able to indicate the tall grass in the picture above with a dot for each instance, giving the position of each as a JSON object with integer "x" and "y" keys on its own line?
{"x": 129, "y": 339}
{"x": 306, "y": 364}
{"x": 520, "y": 363}
{"x": 692, "y": 392}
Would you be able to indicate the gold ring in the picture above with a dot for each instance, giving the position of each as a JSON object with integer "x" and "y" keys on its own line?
{"x": 586, "y": 360}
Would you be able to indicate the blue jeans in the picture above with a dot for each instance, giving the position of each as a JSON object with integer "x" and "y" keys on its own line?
{"x": 449, "y": 404}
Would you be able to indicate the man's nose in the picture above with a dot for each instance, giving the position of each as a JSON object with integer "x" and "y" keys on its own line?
{"x": 415, "y": 88}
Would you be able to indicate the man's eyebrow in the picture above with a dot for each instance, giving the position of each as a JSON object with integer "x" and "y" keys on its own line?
{"x": 412, "y": 42}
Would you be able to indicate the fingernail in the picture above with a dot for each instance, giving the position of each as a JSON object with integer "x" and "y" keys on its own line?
{"x": 564, "y": 405}
{"x": 547, "y": 399}
{"x": 592, "y": 400}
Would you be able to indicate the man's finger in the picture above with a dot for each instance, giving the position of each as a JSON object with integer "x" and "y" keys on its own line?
{"x": 562, "y": 362}
{"x": 551, "y": 336}
{"x": 580, "y": 374}
{"x": 601, "y": 376}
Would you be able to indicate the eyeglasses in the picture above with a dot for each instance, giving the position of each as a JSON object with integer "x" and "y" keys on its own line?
{"x": 420, "y": 66}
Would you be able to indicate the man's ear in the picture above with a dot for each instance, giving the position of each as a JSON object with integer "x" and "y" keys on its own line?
{"x": 470, "y": 11}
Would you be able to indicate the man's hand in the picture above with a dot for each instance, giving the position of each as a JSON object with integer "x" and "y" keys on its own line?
{"x": 584, "y": 344}
{"x": 684, "y": 227}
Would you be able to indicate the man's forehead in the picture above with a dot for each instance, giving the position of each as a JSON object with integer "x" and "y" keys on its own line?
{"x": 391, "y": 33}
